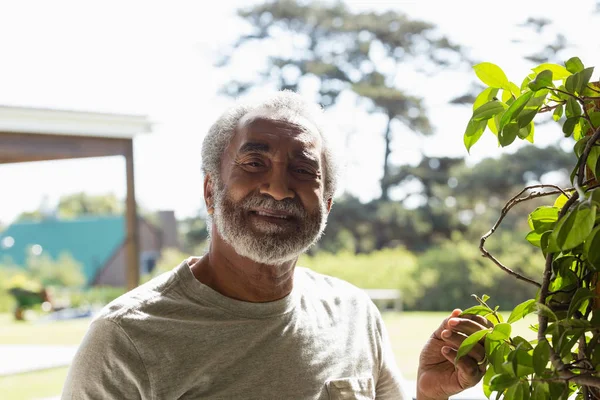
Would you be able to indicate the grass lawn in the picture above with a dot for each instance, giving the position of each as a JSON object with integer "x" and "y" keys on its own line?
{"x": 56, "y": 333}
{"x": 408, "y": 332}
{"x": 39, "y": 384}
{"x": 33, "y": 385}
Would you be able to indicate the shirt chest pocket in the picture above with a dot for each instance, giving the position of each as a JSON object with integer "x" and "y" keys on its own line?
{"x": 351, "y": 389}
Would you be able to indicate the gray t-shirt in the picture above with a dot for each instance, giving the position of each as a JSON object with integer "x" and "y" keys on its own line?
{"x": 176, "y": 338}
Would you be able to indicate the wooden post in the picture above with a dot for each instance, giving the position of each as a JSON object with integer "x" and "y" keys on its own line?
{"x": 132, "y": 256}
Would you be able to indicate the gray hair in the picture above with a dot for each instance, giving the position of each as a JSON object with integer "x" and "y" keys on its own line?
{"x": 283, "y": 102}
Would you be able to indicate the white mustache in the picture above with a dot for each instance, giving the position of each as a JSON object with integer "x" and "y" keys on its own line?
{"x": 290, "y": 206}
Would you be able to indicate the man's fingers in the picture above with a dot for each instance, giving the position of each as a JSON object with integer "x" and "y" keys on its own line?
{"x": 454, "y": 340}
{"x": 464, "y": 325}
{"x": 472, "y": 372}
{"x": 481, "y": 320}
{"x": 438, "y": 332}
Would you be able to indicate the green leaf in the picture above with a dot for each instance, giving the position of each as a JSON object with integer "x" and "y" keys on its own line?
{"x": 486, "y": 381}
{"x": 573, "y": 109}
{"x": 521, "y": 311}
{"x": 584, "y": 78}
{"x": 592, "y": 160}
{"x": 544, "y": 310}
{"x": 473, "y": 133}
{"x": 501, "y": 331}
{"x": 558, "y": 112}
{"x": 543, "y": 218}
{"x": 515, "y": 108}
{"x": 522, "y": 363}
{"x": 492, "y": 75}
{"x": 477, "y": 310}
{"x": 574, "y": 65}
{"x": 488, "y": 94}
{"x": 572, "y": 83}
{"x": 521, "y": 343}
{"x": 541, "y": 81}
{"x": 467, "y": 345}
{"x": 488, "y": 110}
{"x": 508, "y": 134}
{"x": 581, "y": 295}
{"x": 569, "y": 126}
{"x": 591, "y": 249}
{"x": 558, "y": 391}
{"x": 492, "y": 123}
{"x": 541, "y": 356}
{"x": 575, "y": 227}
{"x": 498, "y": 356}
{"x": 560, "y": 201}
{"x": 485, "y": 298}
{"x": 514, "y": 89}
{"x": 514, "y": 392}
{"x": 527, "y": 132}
{"x": 534, "y": 238}
{"x": 548, "y": 243}
{"x": 558, "y": 71}
{"x": 501, "y": 382}
{"x": 526, "y": 81}
{"x": 595, "y": 118}
{"x": 541, "y": 391}
{"x": 507, "y": 96}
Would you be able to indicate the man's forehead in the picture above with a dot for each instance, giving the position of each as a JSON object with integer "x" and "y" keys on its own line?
{"x": 271, "y": 124}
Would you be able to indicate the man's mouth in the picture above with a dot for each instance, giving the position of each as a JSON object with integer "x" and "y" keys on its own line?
{"x": 282, "y": 215}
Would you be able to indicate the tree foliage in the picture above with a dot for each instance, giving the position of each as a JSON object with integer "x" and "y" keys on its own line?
{"x": 345, "y": 51}
{"x": 565, "y": 357}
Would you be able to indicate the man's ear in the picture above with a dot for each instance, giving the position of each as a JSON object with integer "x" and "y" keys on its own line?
{"x": 208, "y": 195}
{"x": 329, "y": 204}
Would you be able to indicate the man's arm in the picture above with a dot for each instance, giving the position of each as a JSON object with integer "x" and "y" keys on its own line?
{"x": 107, "y": 366}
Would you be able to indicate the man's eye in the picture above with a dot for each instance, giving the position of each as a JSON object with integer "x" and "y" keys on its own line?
{"x": 255, "y": 164}
{"x": 305, "y": 172}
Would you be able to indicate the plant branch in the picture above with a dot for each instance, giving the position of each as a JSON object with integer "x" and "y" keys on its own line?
{"x": 584, "y": 156}
{"x": 592, "y": 89}
{"x": 510, "y": 204}
{"x": 543, "y": 319}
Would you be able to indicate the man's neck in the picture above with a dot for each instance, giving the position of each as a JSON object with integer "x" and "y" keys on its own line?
{"x": 237, "y": 277}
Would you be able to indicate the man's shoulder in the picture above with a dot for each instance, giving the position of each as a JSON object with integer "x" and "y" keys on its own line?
{"x": 135, "y": 302}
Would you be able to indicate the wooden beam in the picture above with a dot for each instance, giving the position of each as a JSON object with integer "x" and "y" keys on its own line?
{"x": 24, "y": 147}
{"x": 132, "y": 269}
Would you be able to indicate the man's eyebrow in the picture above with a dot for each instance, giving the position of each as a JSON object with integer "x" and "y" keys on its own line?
{"x": 253, "y": 147}
{"x": 308, "y": 157}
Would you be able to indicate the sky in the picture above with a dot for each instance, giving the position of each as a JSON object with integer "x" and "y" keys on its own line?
{"x": 157, "y": 59}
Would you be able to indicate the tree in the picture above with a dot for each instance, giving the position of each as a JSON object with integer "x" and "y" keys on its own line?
{"x": 78, "y": 204}
{"x": 361, "y": 53}
{"x": 75, "y": 205}
{"x": 565, "y": 357}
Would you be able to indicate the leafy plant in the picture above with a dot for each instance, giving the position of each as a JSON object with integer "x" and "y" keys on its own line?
{"x": 564, "y": 360}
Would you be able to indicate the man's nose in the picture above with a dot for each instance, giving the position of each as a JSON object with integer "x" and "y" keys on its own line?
{"x": 276, "y": 184}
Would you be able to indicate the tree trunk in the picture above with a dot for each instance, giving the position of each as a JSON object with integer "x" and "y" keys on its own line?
{"x": 385, "y": 185}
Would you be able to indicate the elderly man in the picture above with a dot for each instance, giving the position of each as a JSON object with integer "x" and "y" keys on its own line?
{"x": 242, "y": 321}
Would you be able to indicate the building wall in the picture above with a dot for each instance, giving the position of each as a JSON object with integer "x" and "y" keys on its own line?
{"x": 113, "y": 274}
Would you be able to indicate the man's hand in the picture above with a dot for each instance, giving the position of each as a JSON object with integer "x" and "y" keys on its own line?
{"x": 438, "y": 376}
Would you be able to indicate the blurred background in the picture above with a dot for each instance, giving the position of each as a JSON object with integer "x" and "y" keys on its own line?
{"x": 92, "y": 91}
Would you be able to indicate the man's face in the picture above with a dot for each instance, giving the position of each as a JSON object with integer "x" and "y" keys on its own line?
{"x": 269, "y": 204}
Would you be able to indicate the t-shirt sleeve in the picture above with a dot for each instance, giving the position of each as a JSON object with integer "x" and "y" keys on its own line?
{"x": 390, "y": 384}
{"x": 107, "y": 365}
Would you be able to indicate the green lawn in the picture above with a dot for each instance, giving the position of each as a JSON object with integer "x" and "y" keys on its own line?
{"x": 40, "y": 384}
{"x": 57, "y": 333}
{"x": 408, "y": 332}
